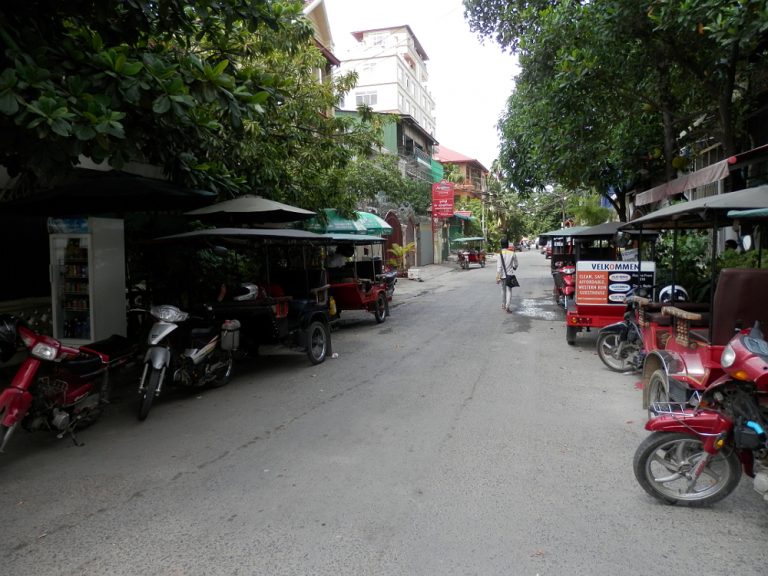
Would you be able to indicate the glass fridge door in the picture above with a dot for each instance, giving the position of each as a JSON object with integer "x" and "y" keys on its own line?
{"x": 72, "y": 294}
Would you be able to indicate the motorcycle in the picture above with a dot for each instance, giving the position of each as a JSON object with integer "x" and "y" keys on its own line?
{"x": 565, "y": 284}
{"x": 621, "y": 346}
{"x": 193, "y": 350}
{"x": 696, "y": 455}
{"x": 390, "y": 278}
{"x": 56, "y": 387}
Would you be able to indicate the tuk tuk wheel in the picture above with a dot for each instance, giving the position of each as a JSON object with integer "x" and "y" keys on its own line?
{"x": 570, "y": 334}
{"x": 380, "y": 308}
{"x": 317, "y": 342}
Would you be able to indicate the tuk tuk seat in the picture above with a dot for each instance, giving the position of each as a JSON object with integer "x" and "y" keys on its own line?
{"x": 738, "y": 304}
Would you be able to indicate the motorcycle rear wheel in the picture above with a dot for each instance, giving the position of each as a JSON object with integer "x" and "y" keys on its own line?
{"x": 147, "y": 396}
{"x": 225, "y": 373}
{"x": 607, "y": 350}
{"x": 663, "y": 460}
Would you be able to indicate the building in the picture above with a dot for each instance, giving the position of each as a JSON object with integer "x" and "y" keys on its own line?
{"x": 392, "y": 75}
{"x": 473, "y": 176}
{"x": 314, "y": 11}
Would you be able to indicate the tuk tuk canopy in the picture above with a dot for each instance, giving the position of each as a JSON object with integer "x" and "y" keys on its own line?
{"x": 702, "y": 213}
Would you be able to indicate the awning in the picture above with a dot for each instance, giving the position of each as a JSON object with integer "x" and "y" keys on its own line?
{"x": 463, "y": 217}
{"x": 749, "y": 214}
{"x": 334, "y": 224}
{"x": 711, "y": 173}
{"x": 365, "y": 223}
{"x": 708, "y": 175}
{"x": 374, "y": 225}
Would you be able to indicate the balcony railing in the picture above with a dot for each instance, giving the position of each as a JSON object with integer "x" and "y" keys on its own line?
{"x": 416, "y": 154}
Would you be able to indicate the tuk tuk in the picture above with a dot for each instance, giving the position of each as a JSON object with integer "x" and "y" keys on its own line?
{"x": 594, "y": 276}
{"x": 470, "y": 250}
{"x": 361, "y": 283}
{"x": 281, "y": 296}
{"x": 686, "y": 362}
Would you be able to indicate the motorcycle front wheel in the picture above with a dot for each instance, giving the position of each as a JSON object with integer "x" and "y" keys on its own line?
{"x": 147, "y": 394}
{"x": 608, "y": 351}
{"x": 664, "y": 463}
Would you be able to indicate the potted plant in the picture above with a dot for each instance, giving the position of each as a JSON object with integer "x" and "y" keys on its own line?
{"x": 399, "y": 254}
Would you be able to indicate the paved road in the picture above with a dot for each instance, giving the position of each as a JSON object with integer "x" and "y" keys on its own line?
{"x": 453, "y": 439}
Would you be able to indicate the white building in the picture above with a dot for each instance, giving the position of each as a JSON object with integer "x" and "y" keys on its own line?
{"x": 392, "y": 75}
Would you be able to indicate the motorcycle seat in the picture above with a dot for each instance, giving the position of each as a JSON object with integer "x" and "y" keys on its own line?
{"x": 83, "y": 364}
{"x": 111, "y": 348}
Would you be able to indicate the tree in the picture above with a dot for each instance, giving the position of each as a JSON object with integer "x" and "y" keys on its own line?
{"x": 624, "y": 80}
{"x": 221, "y": 94}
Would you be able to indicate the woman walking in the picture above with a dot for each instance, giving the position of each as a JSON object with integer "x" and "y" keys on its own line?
{"x": 506, "y": 264}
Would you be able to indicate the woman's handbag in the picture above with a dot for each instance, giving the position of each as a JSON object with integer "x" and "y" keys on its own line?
{"x": 510, "y": 280}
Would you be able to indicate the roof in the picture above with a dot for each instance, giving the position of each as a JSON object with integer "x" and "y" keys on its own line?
{"x": 358, "y": 35}
{"x": 448, "y": 156}
{"x": 94, "y": 192}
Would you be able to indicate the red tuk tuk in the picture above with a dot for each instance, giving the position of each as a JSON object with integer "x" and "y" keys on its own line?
{"x": 470, "y": 251}
{"x": 361, "y": 283}
{"x": 688, "y": 360}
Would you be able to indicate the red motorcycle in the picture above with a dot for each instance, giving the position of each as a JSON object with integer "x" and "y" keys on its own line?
{"x": 696, "y": 454}
{"x": 56, "y": 387}
{"x": 565, "y": 284}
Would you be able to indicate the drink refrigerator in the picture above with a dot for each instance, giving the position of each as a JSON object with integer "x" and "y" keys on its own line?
{"x": 87, "y": 273}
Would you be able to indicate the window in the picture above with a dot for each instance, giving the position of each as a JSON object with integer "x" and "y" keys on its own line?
{"x": 368, "y": 98}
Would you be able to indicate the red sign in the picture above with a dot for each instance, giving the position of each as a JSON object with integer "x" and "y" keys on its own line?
{"x": 442, "y": 199}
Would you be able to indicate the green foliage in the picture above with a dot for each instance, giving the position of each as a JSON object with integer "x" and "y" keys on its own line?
{"x": 735, "y": 259}
{"x": 399, "y": 254}
{"x": 366, "y": 179}
{"x": 607, "y": 87}
{"x": 692, "y": 262}
{"x": 586, "y": 210}
{"x": 222, "y": 95}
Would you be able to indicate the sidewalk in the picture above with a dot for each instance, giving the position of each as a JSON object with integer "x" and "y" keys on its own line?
{"x": 407, "y": 289}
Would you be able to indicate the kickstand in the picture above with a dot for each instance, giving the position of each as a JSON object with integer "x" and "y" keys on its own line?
{"x": 71, "y": 432}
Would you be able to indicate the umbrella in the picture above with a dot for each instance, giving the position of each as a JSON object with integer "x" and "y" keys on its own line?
{"x": 373, "y": 224}
{"x": 251, "y": 209}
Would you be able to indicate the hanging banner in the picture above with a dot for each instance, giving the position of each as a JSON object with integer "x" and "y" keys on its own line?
{"x": 442, "y": 199}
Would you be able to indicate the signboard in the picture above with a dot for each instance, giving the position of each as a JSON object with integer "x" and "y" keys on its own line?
{"x": 601, "y": 283}
{"x": 465, "y": 213}
{"x": 442, "y": 199}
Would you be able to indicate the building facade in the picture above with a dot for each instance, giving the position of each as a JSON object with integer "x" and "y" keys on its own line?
{"x": 392, "y": 75}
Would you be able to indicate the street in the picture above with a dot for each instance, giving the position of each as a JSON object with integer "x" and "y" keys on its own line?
{"x": 452, "y": 439}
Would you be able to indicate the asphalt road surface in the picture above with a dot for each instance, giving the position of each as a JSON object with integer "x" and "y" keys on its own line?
{"x": 453, "y": 439}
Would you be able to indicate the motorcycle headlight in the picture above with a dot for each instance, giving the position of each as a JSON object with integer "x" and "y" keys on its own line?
{"x": 44, "y": 351}
{"x": 728, "y": 357}
{"x": 168, "y": 313}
